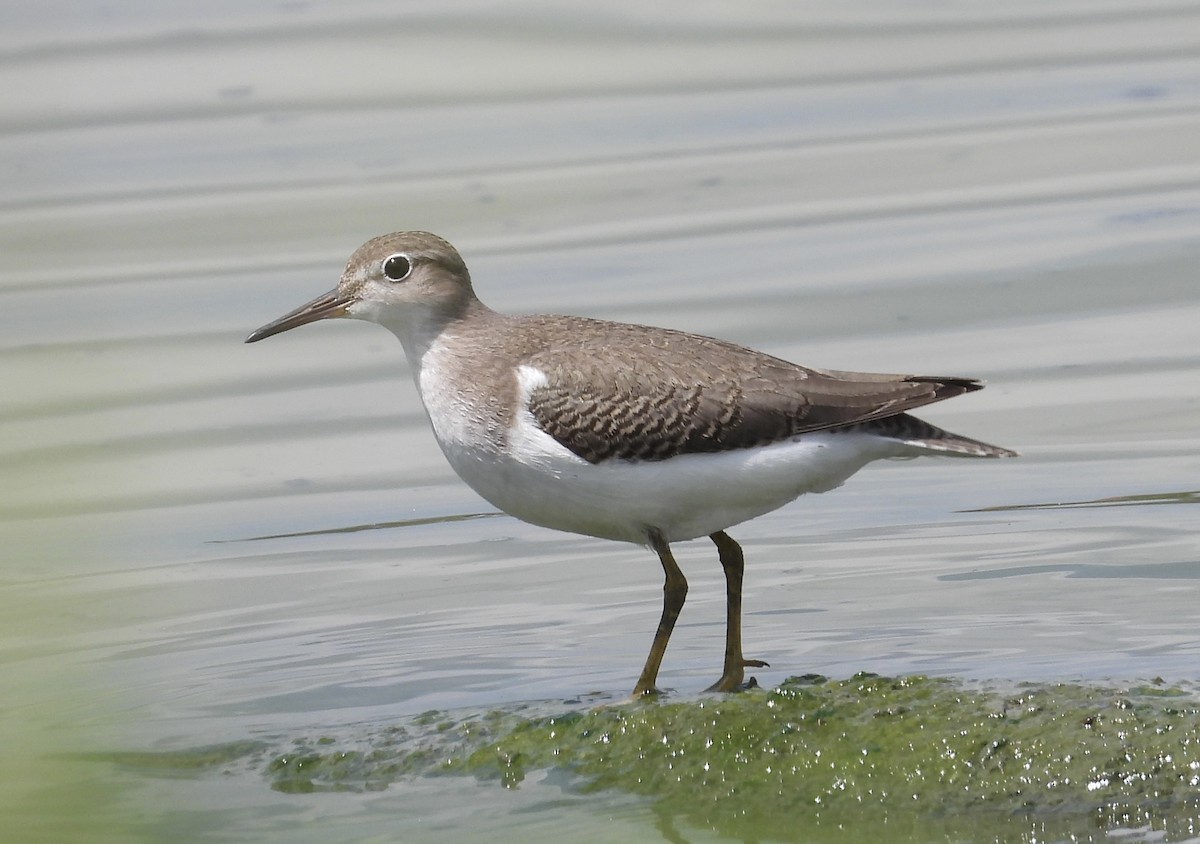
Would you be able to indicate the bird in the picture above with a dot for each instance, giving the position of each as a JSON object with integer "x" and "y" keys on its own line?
{"x": 627, "y": 432}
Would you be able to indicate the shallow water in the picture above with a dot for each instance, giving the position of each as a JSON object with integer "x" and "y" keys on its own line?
{"x": 207, "y": 542}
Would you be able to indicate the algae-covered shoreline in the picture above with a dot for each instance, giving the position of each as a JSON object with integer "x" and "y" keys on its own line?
{"x": 814, "y": 759}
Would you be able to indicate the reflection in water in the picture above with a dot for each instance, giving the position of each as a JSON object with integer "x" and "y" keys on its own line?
{"x": 1188, "y": 497}
{"x": 407, "y": 523}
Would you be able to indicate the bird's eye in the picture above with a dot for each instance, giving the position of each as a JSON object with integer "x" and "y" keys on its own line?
{"x": 397, "y": 267}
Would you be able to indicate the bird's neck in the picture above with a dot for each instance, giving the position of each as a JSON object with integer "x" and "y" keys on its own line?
{"x": 419, "y": 328}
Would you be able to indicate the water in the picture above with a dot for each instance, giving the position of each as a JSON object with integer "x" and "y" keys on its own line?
{"x": 1012, "y": 194}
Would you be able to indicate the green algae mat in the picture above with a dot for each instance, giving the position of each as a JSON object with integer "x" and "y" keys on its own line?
{"x": 909, "y": 759}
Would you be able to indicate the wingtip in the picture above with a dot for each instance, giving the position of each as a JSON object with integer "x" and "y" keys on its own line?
{"x": 952, "y": 382}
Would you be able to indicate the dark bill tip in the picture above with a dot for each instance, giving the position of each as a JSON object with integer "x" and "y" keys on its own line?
{"x": 331, "y": 304}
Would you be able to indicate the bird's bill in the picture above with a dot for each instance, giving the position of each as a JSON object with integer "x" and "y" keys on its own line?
{"x": 331, "y": 304}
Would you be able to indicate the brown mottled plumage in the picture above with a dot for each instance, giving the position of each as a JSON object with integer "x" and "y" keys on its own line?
{"x": 653, "y": 394}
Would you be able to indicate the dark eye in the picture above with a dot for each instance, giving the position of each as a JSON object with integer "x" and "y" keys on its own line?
{"x": 397, "y": 267}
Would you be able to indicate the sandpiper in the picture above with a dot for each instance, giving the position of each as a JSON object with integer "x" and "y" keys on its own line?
{"x": 626, "y": 432}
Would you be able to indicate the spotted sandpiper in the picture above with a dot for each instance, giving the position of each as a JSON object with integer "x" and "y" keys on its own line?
{"x": 626, "y": 432}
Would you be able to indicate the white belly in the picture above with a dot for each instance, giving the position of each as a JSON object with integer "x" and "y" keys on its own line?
{"x": 684, "y": 497}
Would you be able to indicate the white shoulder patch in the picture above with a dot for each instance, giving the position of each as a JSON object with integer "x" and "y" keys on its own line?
{"x": 529, "y": 378}
{"x": 527, "y": 441}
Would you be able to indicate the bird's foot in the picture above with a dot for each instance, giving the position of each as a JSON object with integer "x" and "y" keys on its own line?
{"x": 648, "y": 693}
{"x": 734, "y": 678}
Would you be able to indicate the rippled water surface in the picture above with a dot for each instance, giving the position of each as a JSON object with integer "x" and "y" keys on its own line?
{"x": 206, "y": 542}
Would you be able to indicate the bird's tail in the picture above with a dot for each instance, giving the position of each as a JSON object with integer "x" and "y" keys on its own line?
{"x": 920, "y": 434}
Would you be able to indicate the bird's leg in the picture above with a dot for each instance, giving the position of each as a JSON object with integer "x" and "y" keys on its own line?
{"x": 733, "y": 564}
{"x": 674, "y": 594}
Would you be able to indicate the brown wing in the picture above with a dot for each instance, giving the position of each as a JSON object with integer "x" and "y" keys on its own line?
{"x": 650, "y": 394}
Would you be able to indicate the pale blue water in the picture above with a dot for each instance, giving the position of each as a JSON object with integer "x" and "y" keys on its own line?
{"x": 1008, "y": 193}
